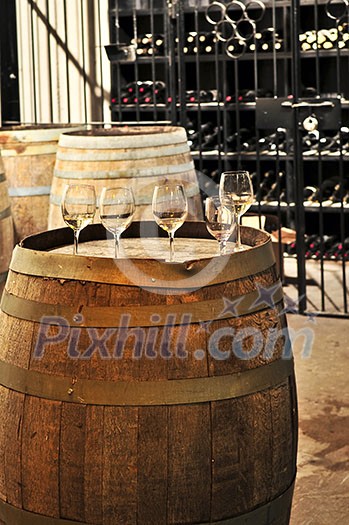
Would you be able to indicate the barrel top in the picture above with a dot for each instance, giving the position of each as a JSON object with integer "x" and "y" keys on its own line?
{"x": 29, "y": 127}
{"x": 40, "y": 255}
{"x": 122, "y": 130}
{"x": 126, "y": 137}
{"x": 34, "y": 133}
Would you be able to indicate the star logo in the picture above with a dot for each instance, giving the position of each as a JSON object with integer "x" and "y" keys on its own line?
{"x": 204, "y": 326}
{"x": 312, "y": 317}
{"x": 265, "y": 296}
{"x": 291, "y": 306}
{"x": 231, "y": 307}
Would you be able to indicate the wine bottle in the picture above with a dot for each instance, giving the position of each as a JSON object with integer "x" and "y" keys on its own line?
{"x": 143, "y": 42}
{"x": 210, "y": 141}
{"x": 191, "y": 37}
{"x": 208, "y": 45}
{"x": 307, "y": 39}
{"x": 159, "y": 44}
{"x": 235, "y": 47}
{"x": 207, "y": 95}
{"x": 275, "y": 189}
{"x": 269, "y": 40}
{"x": 266, "y": 182}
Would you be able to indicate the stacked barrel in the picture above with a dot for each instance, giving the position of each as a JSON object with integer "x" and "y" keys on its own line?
{"x": 6, "y": 228}
{"x": 28, "y": 156}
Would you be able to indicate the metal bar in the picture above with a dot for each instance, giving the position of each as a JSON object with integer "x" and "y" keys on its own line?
{"x": 171, "y": 45}
{"x": 169, "y": 64}
{"x": 321, "y": 231}
{"x": 341, "y": 179}
{"x": 33, "y": 59}
{"x": 218, "y": 113}
{"x": 198, "y": 85}
{"x": 181, "y": 63}
{"x": 275, "y": 83}
{"x": 100, "y": 58}
{"x": 298, "y": 160}
{"x": 153, "y": 68}
{"x": 226, "y": 123}
{"x": 237, "y": 112}
{"x": 136, "y": 70}
{"x": 317, "y": 57}
{"x": 118, "y": 71}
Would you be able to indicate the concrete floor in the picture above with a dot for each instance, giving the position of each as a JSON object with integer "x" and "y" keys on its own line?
{"x": 333, "y": 278}
{"x": 322, "y": 371}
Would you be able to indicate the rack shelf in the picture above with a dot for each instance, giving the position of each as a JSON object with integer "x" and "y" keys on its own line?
{"x": 274, "y": 208}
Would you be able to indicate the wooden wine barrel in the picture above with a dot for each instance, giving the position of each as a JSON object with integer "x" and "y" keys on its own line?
{"x": 6, "y": 228}
{"x": 143, "y": 392}
{"x": 139, "y": 157}
{"x": 29, "y": 155}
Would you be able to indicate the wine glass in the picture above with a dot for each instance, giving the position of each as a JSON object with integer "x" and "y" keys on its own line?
{"x": 78, "y": 208}
{"x": 236, "y": 193}
{"x": 219, "y": 221}
{"x": 116, "y": 210}
{"x": 170, "y": 209}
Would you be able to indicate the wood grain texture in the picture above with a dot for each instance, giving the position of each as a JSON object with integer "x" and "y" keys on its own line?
{"x": 71, "y": 461}
{"x": 93, "y": 464}
{"x": 6, "y": 225}
{"x": 146, "y": 465}
{"x": 189, "y": 464}
{"x": 152, "y": 465}
{"x": 40, "y": 456}
{"x": 13, "y": 425}
{"x": 120, "y": 465}
{"x": 3, "y": 440}
{"x": 29, "y": 212}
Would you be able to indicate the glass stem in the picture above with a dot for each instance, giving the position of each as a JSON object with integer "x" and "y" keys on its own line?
{"x": 238, "y": 233}
{"x": 222, "y": 247}
{"x": 171, "y": 236}
{"x": 117, "y": 242}
{"x": 76, "y": 241}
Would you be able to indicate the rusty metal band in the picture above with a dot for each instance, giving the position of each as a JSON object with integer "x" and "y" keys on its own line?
{"x": 263, "y": 515}
{"x": 144, "y": 393}
{"x": 5, "y": 213}
{"x": 148, "y": 315}
{"x": 148, "y": 273}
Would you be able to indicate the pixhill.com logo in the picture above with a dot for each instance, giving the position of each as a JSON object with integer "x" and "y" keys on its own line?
{"x": 170, "y": 335}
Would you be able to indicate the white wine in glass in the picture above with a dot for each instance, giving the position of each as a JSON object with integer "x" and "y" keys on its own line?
{"x": 170, "y": 209}
{"x": 78, "y": 208}
{"x": 116, "y": 211}
{"x": 219, "y": 221}
{"x": 236, "y": 193}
